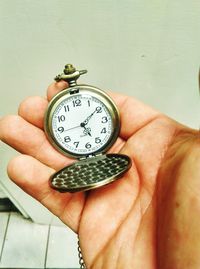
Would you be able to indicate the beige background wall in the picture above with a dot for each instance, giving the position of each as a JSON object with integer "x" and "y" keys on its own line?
{"x": 149, "y": 49}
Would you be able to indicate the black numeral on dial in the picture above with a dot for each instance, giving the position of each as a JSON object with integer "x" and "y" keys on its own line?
{"x": 67, "y": 139}
{"x": 76, "y": 144}
{"x": 103, "y": 131}
{"x": 61, "y": 118}
{"x": 98, "y": 109}
{"x": 66, "y": 108}
{"x": 88, "y": 145}
{"x": 61, "y": 129}
{"x": 77, "y": 102}
{"x": 104, "y": 119}
{"x": 97, "y": 140}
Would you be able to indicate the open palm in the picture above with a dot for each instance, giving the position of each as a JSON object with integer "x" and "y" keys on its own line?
{"x": 117, "y": 224}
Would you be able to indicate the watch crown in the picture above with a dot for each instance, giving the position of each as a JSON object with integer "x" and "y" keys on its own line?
{"x": 69, "y": 69}
{"x": 70, "y": 74}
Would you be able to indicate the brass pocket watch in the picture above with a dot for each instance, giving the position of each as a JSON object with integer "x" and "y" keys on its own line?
{"x": 83, "y": 122}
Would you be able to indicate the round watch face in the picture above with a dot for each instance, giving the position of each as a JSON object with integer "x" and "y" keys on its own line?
{"x": 81, "y": 121}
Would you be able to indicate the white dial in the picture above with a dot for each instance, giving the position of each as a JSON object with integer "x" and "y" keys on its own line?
{"x": 83, "y": 123}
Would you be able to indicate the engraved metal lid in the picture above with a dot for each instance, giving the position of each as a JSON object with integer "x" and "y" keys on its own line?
{"x": 90, "y": 173}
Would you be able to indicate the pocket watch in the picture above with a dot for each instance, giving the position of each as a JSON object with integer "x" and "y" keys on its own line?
{"x": 83, "y": 122}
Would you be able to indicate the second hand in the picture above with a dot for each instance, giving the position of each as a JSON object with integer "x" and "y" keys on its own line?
{"x": 72, "y": 128}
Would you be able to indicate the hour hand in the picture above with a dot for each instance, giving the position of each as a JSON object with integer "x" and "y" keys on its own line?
{"x": 87, "y": 131}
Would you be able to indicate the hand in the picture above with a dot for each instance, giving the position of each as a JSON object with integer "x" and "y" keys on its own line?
{"x": 147, "y": 219}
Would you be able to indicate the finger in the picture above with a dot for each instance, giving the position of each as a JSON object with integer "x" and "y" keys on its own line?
{"x": 32, "y": 176}
{"x": 133, "y": 113}
{"x": 28, "y": 139}
{"x": 55, "y": 88}
{"x": 32, "y": 109}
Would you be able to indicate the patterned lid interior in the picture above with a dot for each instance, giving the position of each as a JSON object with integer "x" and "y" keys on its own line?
{"x": 90, "y": 173}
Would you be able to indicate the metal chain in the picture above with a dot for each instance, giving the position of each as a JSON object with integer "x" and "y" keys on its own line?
{"x": 81, "y": 261}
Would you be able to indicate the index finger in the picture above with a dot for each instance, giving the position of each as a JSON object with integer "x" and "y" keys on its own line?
{"x": 55, "y": 88}
{"x": 134, "y": 114}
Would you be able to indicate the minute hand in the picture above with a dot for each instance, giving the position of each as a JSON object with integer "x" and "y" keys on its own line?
{"x": 88, "y": 118}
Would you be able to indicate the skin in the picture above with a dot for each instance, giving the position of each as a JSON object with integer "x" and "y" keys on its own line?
{"x": 148, "y": 219}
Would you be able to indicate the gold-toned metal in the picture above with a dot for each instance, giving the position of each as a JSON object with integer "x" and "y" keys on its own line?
{"x": 80, "y": 256}
{"x": 82, "y": 89}
{"x": 69, "y": 69}
{"x": 94, "y": 169}
{"x": 70, "y": 74}
{"x": 90, "y": 173}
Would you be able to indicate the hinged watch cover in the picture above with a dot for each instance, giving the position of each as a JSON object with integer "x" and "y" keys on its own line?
{"x": 90, "y": 173}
